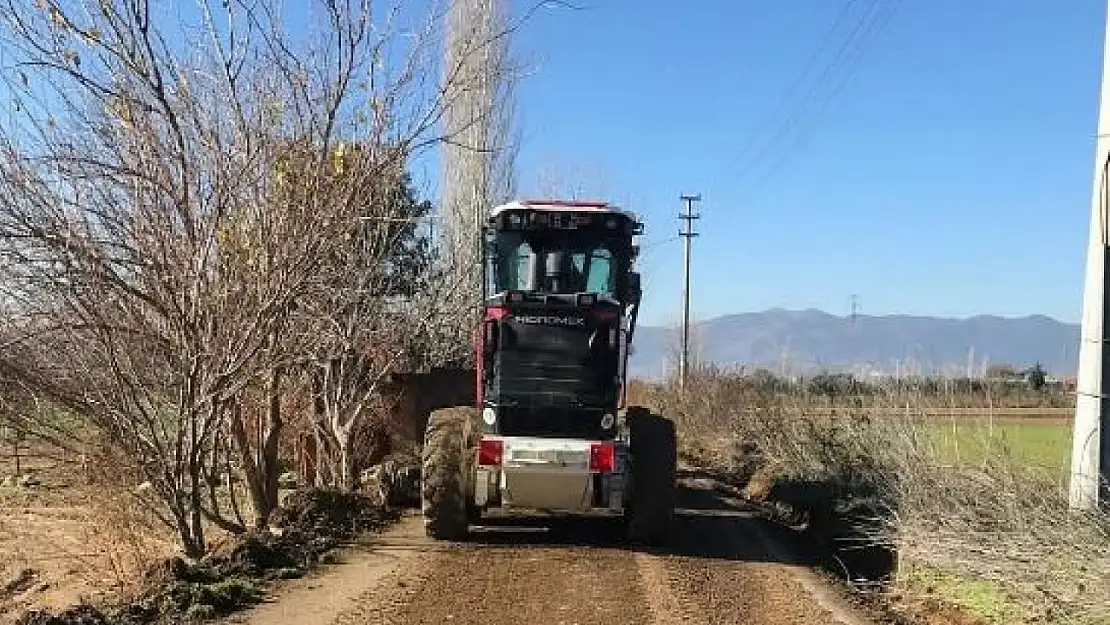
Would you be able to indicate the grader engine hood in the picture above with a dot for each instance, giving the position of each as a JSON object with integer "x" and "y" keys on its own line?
{"x": 552, "y": 372}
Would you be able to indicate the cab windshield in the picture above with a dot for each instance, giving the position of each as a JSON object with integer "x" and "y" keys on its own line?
{"x": 553, "y": 264}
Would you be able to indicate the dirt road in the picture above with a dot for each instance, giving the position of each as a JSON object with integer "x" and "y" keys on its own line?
{"x": 725, "y": 566}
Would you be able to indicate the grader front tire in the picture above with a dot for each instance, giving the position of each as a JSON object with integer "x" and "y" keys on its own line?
{"x": 446, "y": 468}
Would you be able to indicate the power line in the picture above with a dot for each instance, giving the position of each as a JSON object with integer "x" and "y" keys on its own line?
{"x": 815, "y": 101}
{"x": 873, "y": 19}
{"x": 871, "y": 31}
{"x": 787, "y": 96}
{"x": 655, "y": 245}
{"x": 815, "y": 93}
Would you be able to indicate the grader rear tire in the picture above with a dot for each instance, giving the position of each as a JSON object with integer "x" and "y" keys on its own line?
{"x": 447, "y": 461}
{"x": 654, "y": 452}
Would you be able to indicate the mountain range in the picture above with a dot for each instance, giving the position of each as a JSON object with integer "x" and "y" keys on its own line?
{"x": 807, "y": 341}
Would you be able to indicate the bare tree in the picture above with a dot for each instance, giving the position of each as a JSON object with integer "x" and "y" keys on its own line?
{"x": 367, "y": 324}
{"x": 175, "y": 213}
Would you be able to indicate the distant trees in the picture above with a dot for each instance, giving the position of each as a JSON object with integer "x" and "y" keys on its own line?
{"x": 1036, "y": 377}
{"x": 833, "y": 384}
{"x": 1001, "y": 371}
{"x": 841, "y": 384}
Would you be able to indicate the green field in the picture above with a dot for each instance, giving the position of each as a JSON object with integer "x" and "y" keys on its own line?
{"x": 1042, "y": 447}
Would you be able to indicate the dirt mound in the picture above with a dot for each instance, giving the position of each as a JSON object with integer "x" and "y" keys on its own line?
{"x": 310, "y": 523}
{"x": 256, "y": 554}
{"x": 336, "y": 514}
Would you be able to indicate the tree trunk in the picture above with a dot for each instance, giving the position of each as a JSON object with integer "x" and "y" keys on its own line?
{"x": 347, "y": 479}
{"x": 250, "y": 467}
{"x": 183, "y": 533}
{"x": 193, "y": 474}
{"x": 189, "y": 544}
{"x": 270, "y": 448}
{"x": 186, "y": 513}
{"x": 197, "y": 515}
{"x": 323, "y": 448}
{"x": 308, "y": 456}
{"x": 325, "y": 473}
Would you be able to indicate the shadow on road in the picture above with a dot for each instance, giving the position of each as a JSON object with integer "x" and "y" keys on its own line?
{"x": 711, "y": 524}
{"x": 714, "y": 522}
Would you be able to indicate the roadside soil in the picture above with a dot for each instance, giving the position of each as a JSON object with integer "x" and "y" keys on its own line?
{"x": 726, "y": 565}
{"x": 62, "y": 540}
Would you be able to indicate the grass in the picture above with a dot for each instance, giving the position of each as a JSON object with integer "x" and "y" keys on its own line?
{"x": 982, "y": 599}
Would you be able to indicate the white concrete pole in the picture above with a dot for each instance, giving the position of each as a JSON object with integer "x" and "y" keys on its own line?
{"x": 1091, "y": 407}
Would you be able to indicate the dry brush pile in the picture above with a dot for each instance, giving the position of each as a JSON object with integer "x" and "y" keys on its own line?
{"x": 873, "y": 479}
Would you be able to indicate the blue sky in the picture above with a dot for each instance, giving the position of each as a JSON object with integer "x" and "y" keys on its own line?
{"x": 949, "y": 176}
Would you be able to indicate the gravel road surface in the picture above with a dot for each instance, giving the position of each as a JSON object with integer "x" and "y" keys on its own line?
{"x": 725, "y": 565}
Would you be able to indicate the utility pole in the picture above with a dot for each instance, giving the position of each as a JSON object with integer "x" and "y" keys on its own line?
{"x": 687, "y": 234}
{"x": 1090, "y": 465}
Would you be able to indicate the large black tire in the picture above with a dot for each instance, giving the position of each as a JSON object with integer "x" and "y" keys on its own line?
{"x": 446, "y": 473}
{"x": 654, "y": 449}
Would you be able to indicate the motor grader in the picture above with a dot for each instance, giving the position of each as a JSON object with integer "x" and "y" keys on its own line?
{"x": 549, "y": 433}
